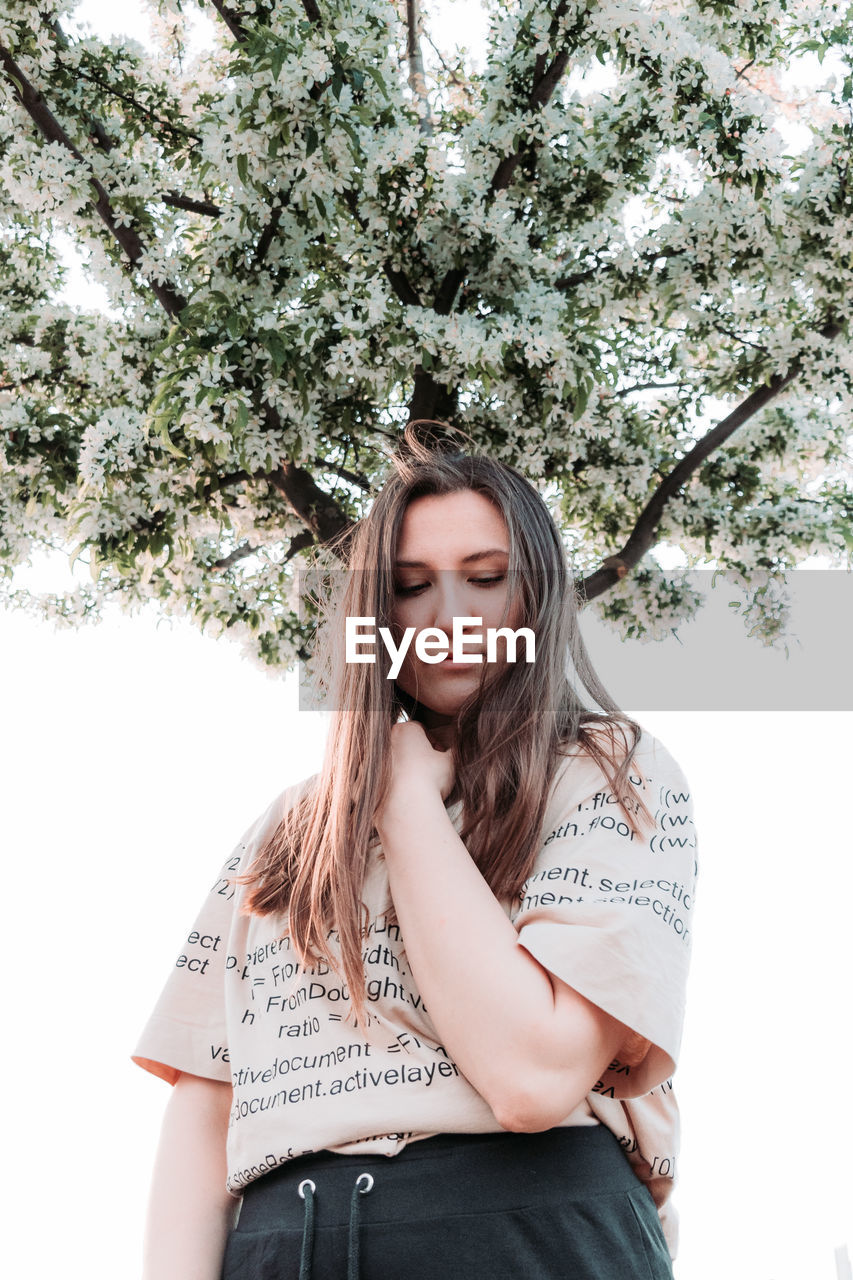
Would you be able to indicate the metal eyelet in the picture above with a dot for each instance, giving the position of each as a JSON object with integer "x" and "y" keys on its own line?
{"x": 306, "y": 1182}
{"x": 362, "y": 1191}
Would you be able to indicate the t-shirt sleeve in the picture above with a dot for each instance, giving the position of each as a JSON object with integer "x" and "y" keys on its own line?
{"x": 609, "y": 912}
{"x": 187, "y": 1029}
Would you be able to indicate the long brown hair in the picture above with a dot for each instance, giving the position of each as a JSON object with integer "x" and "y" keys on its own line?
{"x": 510, "y": 733}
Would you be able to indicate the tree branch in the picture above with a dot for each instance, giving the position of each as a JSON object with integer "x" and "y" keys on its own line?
{"x": 127, "y": 237}
{"x": 267, "y": 235}
{"x": 546, "y": 79}
{"x": 350, "y": 476}
{"x": 730, "y": 333}
{"x": 62, "y": 40}
{"x": 428, "y": 392}
{"x": 417, "y": 78}
{"x": 43, "y": 374}
{"x": 323, "y": 518}
{"x": 432, "y": 399}
{"x": 231, "y": 18}
{"x": 449, "y": 72}
{"x": 16, "y": 386}
{"x": 177, "y": 201}
{"x": 101, "y": 138}
{"x": 649, "y": 386}
{"x": 564, "y": 283}
{"x": 397, "y": 279}
{"x": 178, "y": 130}
{"x": 317, "y": 510}
{"x": 235, "y": 556}
{"x": 642, "y": 538}
{"x": 301, "y": 540}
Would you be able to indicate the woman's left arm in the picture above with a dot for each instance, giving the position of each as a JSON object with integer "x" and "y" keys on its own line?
{"x": 530, "y": 1045}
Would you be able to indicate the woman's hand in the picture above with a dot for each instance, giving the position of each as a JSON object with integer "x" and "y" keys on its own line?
{"x": 416, "y": 765}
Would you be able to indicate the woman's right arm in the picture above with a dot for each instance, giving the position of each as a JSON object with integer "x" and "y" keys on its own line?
{"x": 189, "y": 1211}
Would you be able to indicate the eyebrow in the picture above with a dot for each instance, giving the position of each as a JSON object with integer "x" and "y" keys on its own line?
{"x": 474, "y": 556}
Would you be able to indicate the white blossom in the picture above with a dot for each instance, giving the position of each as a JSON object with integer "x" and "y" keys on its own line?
{"x": 659, "y": 251}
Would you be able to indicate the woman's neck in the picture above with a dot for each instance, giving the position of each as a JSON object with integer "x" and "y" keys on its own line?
{"x": 441, "y": 730}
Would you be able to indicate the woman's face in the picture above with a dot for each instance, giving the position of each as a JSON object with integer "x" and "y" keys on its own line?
{"x": 451, "y": 561}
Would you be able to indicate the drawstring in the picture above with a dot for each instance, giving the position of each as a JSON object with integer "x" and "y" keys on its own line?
{"x": 307, "y": 1190}
{"x": 354, "y": 1214}
{"x": 307, "y": 1256}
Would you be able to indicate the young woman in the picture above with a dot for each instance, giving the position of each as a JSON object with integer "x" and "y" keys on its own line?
{"x": 426, "y": 1019}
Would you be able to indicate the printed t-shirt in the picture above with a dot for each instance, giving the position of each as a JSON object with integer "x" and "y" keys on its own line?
{"x": 607, "y": 911}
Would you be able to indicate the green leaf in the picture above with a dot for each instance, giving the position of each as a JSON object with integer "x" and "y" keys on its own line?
{"x": 243, "y": 169}
{"x": 303, "y": 387}
{"x": 241, "y": 419}
{"x": 318, "y": 200}
{"x": 275, "y": 346}
{"x": 168, "y": 340}
{"x": 161, "y": 430}
{"x": 279, "y": 54}
{"x": 312, "y": 140}
{"x": 188, "y": 315}
{"x": 581, "y": 399}
{"x": 377, "y": 77}
{"x": 75, "y": 554}
{"x": 348, "y": 129}
{"x": 160, "y": 398}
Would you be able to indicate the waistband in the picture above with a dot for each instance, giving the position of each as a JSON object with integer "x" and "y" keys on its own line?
{"x": 500, "y": 1170}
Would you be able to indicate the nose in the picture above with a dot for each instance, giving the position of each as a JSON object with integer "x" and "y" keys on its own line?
{"x": 453, "y": 598}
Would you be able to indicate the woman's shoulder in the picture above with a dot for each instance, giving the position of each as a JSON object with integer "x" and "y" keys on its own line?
{"x": 277, "y": 809}
{"x": 295, "y": 791}
{"x": 580, "y": 768}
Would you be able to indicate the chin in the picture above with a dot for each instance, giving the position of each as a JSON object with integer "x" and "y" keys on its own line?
{"x": 441, "y": 702}
{"x": 437, "y": 706}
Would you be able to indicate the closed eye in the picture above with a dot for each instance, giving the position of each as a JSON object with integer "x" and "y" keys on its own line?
{"x": 480, "y": 582}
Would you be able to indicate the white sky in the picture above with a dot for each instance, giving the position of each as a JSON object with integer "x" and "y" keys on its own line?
{"x": 134, "y": 755}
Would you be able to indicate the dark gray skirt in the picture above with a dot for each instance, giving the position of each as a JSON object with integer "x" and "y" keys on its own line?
{"x": 505, "y": 1206}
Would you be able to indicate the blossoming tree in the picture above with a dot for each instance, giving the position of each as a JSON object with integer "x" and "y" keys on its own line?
{"x": 619, "y": 253}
